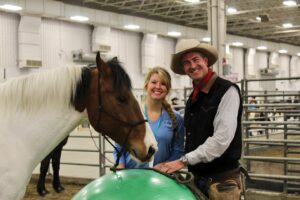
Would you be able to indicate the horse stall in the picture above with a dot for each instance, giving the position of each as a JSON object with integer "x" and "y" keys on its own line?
{"x": 271, "y": 139}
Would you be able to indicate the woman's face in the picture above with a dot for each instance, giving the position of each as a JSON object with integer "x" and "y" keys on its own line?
{"x": 157, "y": 88}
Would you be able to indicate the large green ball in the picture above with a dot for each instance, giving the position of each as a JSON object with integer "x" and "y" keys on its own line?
{"x": 134, "y": 184}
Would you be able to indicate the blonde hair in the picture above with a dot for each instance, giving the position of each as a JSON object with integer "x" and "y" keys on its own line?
{"x": 166, "y": 79}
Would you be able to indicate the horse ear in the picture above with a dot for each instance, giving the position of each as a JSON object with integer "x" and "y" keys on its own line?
{"x": 115, "y": 59}
{"x": 100, "y": 63}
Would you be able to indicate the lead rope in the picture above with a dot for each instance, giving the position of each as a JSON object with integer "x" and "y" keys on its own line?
{"x": 119, "y": 153}
{"x": 186, "y": 178}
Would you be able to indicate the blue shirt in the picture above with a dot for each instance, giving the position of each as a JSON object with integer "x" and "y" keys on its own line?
{"x": 170, "y": 144}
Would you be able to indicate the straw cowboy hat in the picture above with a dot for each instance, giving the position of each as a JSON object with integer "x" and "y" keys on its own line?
{"x": 188, "y": 45}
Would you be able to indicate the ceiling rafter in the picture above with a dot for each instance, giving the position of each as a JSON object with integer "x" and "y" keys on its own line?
{"x": 242, "y": 23}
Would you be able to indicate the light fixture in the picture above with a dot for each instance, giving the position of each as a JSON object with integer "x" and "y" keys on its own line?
{"x": 298, "y": 54}
{"x": 132, "y": 26}
{"x": 282, "y": 51}
{"x": 289, "y": 3}
{"x": 11, "y": 7}
{"x": 174, "y": 33}
{"x": 206, "y": 39}
{"x": 231, "y": 10}
{"x": 263, "y": 17}
{"x": 192, "y": 1}
{"x": 237, "y": 44}
{"x": 287, "y": 25}
{"x": 79, "y": 18}
{"x": 261, "y": 48}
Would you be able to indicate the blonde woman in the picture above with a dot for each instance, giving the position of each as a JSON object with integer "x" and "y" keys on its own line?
{"x": 166, "y": 124}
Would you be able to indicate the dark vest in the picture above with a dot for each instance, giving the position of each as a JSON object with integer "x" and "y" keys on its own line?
{"x": 198, "y": 119}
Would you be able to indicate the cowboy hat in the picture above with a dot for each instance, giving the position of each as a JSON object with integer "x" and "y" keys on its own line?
{"x": 188, "y": 45}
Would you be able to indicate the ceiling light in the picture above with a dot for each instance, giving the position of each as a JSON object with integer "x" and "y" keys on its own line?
{"x": 79, "y": 18}
{"x": 231, "y": 10}
{"x": 289, "y": 3}
{"x": 261, "y": 48}
{"x": 192, "y": 1}
{"x": 11, "y": 7}
{"x": 282, "y": 51}
{"x": 287, "y": 25}
{"x": 206, "y": 39}
{"x": 237, "y": 44}
{"x": 174, "y": 33}
{"x": 132, "y": 26}
{"x": 298, "y": 54}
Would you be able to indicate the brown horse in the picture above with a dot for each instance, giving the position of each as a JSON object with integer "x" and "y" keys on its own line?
{"x": 40, "y": 110}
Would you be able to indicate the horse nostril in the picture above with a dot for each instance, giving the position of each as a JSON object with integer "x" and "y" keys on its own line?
{"x": 151, "y": 151}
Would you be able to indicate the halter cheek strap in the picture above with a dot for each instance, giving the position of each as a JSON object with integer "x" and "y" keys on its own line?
{"x": 131, "y": 125}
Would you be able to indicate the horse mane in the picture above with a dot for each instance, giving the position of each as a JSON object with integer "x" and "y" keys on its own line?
{"x": 57, "y": 87}
{"x": 32, "y": 92}
{"x": 121, "y": 78}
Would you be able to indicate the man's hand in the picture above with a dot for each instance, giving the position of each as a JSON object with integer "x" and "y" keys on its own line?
{"x": 169, "y": 167}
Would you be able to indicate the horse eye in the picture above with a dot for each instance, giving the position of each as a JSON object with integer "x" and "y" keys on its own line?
{"x": 121, "y": 99}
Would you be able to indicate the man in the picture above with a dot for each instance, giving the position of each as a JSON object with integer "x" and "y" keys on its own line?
{"x": 212, "y": 121}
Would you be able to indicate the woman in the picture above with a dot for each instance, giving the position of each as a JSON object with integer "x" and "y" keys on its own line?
{"x": 166, "y": 124}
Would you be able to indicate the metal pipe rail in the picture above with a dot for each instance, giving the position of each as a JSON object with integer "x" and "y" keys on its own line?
{"x": 249, "y": 126}
{"x": 271, "y": 140}
{"x": 272, "y": 111}
{"x": 271, "y": 95}
{"x": 267, "y": 159}
{"x": 271, "y": 122}
{"x": 275, "y": 176}
{"x": 273, "y": 144}
{"x": 81, "y": 150}
{"x": 273, "y": 79}
{"x": 81, "y": 164}
{"x": 82, "y": 136}
{"x": 293, "y": 105}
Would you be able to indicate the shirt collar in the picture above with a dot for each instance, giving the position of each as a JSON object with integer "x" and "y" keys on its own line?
{"x": 209, "y": 84}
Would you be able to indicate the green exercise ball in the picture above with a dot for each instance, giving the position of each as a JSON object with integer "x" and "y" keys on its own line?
{"x": 134, "y": 184}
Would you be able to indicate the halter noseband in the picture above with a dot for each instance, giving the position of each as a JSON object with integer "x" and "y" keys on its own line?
{"x": 126, "y": 124}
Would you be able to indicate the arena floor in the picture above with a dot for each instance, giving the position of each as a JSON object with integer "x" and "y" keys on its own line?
{"x": 71, "y": 189}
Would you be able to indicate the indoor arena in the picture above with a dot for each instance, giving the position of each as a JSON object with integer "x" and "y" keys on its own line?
{"x": 149, "y": 99}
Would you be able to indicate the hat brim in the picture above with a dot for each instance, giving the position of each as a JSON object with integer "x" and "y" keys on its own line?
{"x": 210, "y": 53}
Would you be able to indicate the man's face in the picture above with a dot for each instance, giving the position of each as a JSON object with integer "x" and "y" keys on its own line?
{"x": 195, "y": 65}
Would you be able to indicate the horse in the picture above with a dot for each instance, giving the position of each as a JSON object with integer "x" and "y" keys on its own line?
{"x": 53, "y": 156}
{"x": 37, "y": 111}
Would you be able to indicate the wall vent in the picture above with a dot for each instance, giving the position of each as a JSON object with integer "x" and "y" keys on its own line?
{"x": 31, "y": 64}
{"x": 104, "y": 48}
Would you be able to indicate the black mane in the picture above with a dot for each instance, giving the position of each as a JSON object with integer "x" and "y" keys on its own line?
{"x": 121, "y": 78}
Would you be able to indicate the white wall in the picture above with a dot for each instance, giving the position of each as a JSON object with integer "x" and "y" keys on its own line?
{"x": 59, "y": 38}
{"x": 237, "y": 62}
{"x": 8, "y": 42}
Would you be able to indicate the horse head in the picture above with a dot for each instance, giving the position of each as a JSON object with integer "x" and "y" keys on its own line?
{"x": 114, "y": 111}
